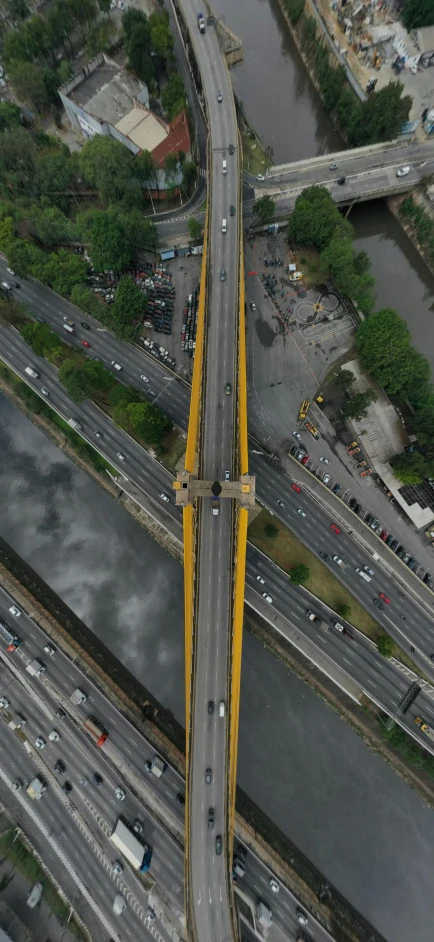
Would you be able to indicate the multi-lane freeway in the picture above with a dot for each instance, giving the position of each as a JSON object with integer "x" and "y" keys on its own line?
{"x": 78, "y": 824}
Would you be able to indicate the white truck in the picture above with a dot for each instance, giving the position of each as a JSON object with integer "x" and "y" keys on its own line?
{"x": 264, "y": 915}
{"x": 35, "y": 668}
{"x": 119, "y": 904}
{"x": 31, "y": 372}
{"x": 36, "y": 788}
{"x": 138, "y": 855}
{"x": 156, "y": 766}
{"x": 75, "y": 425}
{"x": 35, "y": 895}
{"x": 78, "y": 697}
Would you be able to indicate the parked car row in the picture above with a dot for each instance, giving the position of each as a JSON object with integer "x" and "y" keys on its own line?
{"x": 188, "y": 331}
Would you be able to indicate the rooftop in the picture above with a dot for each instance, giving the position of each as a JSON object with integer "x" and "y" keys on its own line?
{"x": 143, "y": 129}
{"x": 107, "y": 93}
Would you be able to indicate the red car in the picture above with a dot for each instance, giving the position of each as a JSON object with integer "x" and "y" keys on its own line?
{"x": 384, "y": 597}
{"x": 305, "y": 459}
{"x": 335, "y": 528}
{"x": 384, "y": 534}
{"x": 85, "y": 343}
{"x": 295, "y": 487}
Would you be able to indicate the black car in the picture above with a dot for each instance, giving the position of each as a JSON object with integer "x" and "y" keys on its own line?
{"x": 427, "y": 578}
{"x": 210, "y": 818}
{"x": 400, "y": 551}
{"x": 180, "y": 798}
{"x": 352, "y": 502}
{"x": 97, "y": 779}
{"x": 210, "y": 706}
{"x": 218, "y": 845}
{"x": 390, "y": 539}
{"x": 394, "y": 544}
{"x": 368, "y": 518}
{"x": 341, "y": 181}
{"x": 67, "y": 787}
{"x": 86, "y": 326}
{"x": 336, "y": 487}
{"x": 378, "y": 604}
{"x": 324, "y": 555}
{"x": 61, "y": 714}
{"x": 357, "y": 508}
{"x": 231, "y": 148}
{"x": 59, "y": 767}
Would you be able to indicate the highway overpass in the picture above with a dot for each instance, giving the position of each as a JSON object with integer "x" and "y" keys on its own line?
{"x": 215, "y": 492}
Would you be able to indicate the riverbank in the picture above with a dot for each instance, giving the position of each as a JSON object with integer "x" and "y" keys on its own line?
{"x": 412, "y": 221}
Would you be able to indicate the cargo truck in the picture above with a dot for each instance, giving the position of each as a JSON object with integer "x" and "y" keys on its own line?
{"x": 156, "y": 766}
{"x": 311, "y": 428}
{"x": 95, "y": 730}
{"x": 423, "y": 725}
{"x": 264, "y": 915}
{"x": 215, "y": 506}
{"x": 316, "y": 620}
{"x": 304, "y": 409}
{"x": 35, "y": 668}
{"x": 78, "y": 697}
{"x": 201, "y": 22}
{"x": 17, "y": 721}
{"x": 138, "y": 855}
{"x": 9, "y": 636}
{"x": 75, "y": 425}
{"x": 36, "y": 788}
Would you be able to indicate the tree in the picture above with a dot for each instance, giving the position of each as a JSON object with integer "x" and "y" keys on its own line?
{"x": 381, "y": 116}
{"x": 264, "y": 208}
{"x": 385, "y": 645}
{"x": 173, "y": 96}
{"x": 105, "y": 6}
{"x": 51, "y": 225}
{"x": 73, "y": 377}
{"x": 358, "y": 405}
{"x": 131, "y": 21}
{"x": 161, "y": 37}
{"x": 18, "y": 10}
{"x": 345, "y": 379}
{"x": 7, "y": 234}
{"x": 194, "y": 229}
{"x": 418, "y": 13}
{"x": 383, "y": 342}
{"x": 138, "y": 51}
{"x": 61, "y": 25}
{"x": 101, "y": 380}
{"x": 270, "y": 530}
{"x": 108, "y": 165}
{"x": 128, "y": 307}
{"x": 410, "y": 468}
{"x": 344, "y": 610}
{"x": 38, "y": 37}
{"x": 123, "y": 394}
{"x": 171, "y": 168}
{"x": 109, "y": 246}
{"x": 40, "y": 338}
{"x": 316, "y": 219}
{"x": 15, "y": 48}
{"x": 10, "y": 115}
{"x": 189, "y": 174}
{"x": 299, "y": 574}
{"x": 338, "y": 259}
{"x": 28, "y": 84}
{"x": 148, "y": 421}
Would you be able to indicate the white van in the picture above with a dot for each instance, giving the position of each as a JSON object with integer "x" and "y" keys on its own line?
{"x": 116, "y": 366}
{"x": 222, "y": 708}
{"x": 225, "y": 166}
{"x": 224, "y": 226}
{"x": 364, "y": 575}
{"x": 69, "y": 328}
{"x": 31, "y": 372}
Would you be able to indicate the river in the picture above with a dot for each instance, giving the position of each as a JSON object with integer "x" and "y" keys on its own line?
{"x": 284, "y": 107}
{"x": 341, "y": 805}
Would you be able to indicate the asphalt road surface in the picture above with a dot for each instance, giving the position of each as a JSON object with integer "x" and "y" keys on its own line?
{"x": 209, "y": 883}
{"x": 37, "y": 699}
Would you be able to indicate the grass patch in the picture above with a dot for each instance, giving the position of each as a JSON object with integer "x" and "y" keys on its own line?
{"x": 171, "y": 448}
{"x": 406, "y": 746}
{"x": 254, "y": 157}
{"x": 285, "y": 550}
{"x": 23, "y": 860}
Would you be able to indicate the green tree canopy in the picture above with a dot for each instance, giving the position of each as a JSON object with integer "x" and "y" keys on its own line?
{"x": 299, "y": 574}
{"x": 345, "y": 379}
{"x": 189, "y": 173}
{"x": 10, "y": 115}
{"x": 418, "y": 13}
{"x": 161, "y": 36}
{"x": 109, "y": 245}
{"x": 51, "y": 225}
{"x": 264, "y": 208}
{"x": 270, "y": 530}
{"x": 194, "y": 229}
{"x": 381, "y": 116}
{"x": 344, "y": 610}
{"x": 411, "y": 468}
{"x": 173, "y": 96}
{"x": 128, "y": 308}
{"x": 75, "y": 380}
{"x": 148, "y": 421}
{"x": 383, "y": 342}
{"x": 108, "y": 165}
{"x": 385, "y": 645}
{"x": 40, "y": 338}
{"x": 123, "y": 394}
{"x": 338, "y": 259}
{"x": 28, "y": 83}
{"x": 358, "y": 405}
{"x": 316, "y": 219}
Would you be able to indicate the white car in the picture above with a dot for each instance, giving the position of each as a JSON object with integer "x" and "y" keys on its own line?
{"x": 120, "y": 456}
{"x": 144, "y": 378}
{"x": 280, "y": 502}
{"x": 120, "y": 794}
{"x": 10, "y": 269}
{"x": 369, "y": 571}
{"x": 54, "y": 736}
{"x": 326, "y": 479}
{"x": 338, "y": 626}
{"x": 49, "y": 649}
{"x": 299, "y": 438}
{"x": 274, "y": 885}
{"x": 138, "y": 827}
{"x": 97, "y": 434}
{"x": 325, "y": 460}
{"x": 118, "y": 867}
{"x": 302, "y": 918}
{"x": 164, "y": 497}
{"x": 260, "y": 177}
{"x": 403, "y": 171}
{"x": 267, "y": 597}
{"x": 261, "y": 580}
{"x": 15, "y": 611}
{"x": 40, "y": 743}
{"x": 4, "y": 703}
{"x": 301, "y": 512}
{"x": 44, "y": 391}
{"x": 219, "y": 97}
{"x": 252, "y": 306}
